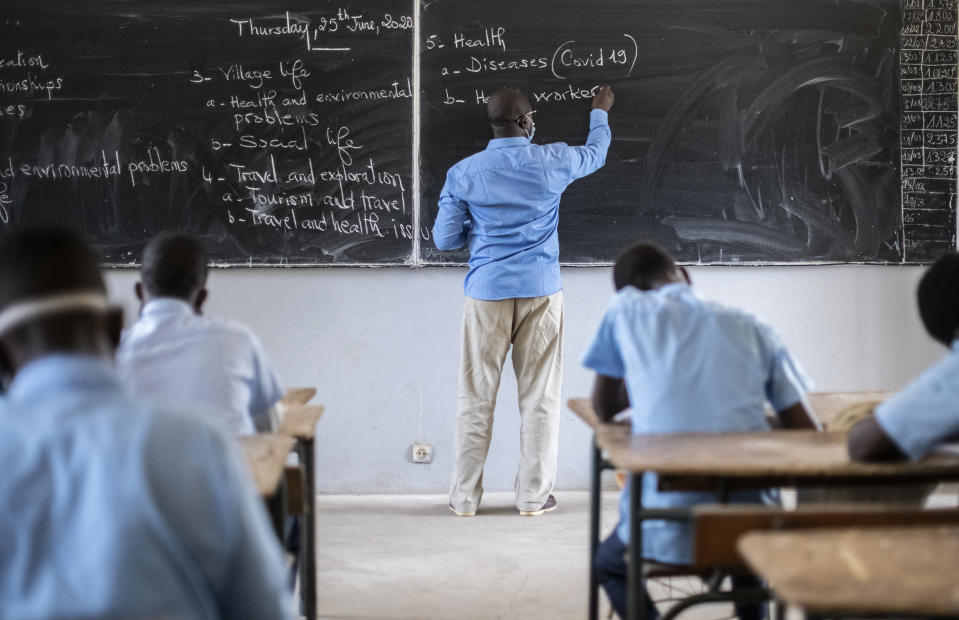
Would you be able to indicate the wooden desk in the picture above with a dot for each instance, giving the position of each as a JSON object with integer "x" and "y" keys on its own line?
{"x": 827, "y": 405}
{"x": 298, "y": 396}
{"x": 724, "y": 461}
{"x": 861, "y": 571}
{"x": 266, "y": 457}
{"x": 790, "y": 457}
{"x": 299, "y": 422}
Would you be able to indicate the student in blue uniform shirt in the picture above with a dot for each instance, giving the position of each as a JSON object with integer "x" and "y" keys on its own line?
{"x": 926, "y": 412}
{"x": 111, "y": 508}
{"x": 176, "y": 355}
{"x": 682, "y": 364}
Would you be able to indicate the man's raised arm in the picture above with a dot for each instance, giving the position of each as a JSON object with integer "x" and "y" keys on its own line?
{"x": 591, "y": 157}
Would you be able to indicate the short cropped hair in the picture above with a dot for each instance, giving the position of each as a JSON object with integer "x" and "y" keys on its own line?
{"x": 938, "y": 297}
{"x": 644, "y": 265}
{"x": 39, "y": 261}
{"x": 174, "y": 265}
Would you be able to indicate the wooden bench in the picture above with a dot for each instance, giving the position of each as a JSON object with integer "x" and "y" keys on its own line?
{"x": 861, "y": 571}
{"x": 718, "y": 530}
{"x": 299, "y": 422}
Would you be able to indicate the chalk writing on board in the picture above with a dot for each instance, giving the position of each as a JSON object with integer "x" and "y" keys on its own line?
{"x": 747, "y": 132}
{"x": 281, "y": 133}
{"x": 277, "y": 136}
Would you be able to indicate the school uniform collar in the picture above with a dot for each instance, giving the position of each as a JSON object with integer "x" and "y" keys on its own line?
{"x": 166, "y": 306}
{"x": 673, "y": 288}
{"x": 676, "y": 288}
{"x": 61, "y": 373}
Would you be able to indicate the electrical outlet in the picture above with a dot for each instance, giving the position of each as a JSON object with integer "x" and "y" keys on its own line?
{"x": 421, "y": 453}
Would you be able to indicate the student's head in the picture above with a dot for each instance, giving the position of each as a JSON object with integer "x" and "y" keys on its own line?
{"x": 646, "y": 266}
{"x": 939, "y": 299}
{"x": 174, "y": 265}
{"x": 510, "y": 114}
{"x": 52, "y": 298}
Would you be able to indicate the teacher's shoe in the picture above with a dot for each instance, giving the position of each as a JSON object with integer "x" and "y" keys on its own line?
{"x": 550, "y": 505}
{"x": 462, "y": 514}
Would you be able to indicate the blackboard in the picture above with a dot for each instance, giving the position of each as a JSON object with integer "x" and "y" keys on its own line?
{"x": 319, "y": 133}
{"x": 278, "y": 133}
{"x": 749, "y": 131}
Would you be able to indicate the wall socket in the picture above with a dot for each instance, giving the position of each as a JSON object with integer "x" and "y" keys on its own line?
{"x": 421, "y": 453}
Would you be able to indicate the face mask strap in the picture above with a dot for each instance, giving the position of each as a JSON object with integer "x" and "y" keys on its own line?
{"x": 529, "y": 133}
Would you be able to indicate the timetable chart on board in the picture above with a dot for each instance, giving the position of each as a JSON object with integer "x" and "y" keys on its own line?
{"x": 277, "y": 133}
{"x": 928, "y": 64}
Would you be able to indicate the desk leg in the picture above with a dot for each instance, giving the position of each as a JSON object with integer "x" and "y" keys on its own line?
{"x": 595, "y": 496}
{"x": 636, "y": 587}
{"x": 276, "y": 506}
{"x": 308, "y": 573}
{"x": 722, "y": 491}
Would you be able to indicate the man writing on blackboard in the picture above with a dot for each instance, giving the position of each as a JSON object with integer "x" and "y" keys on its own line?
{"x": 504, "y": 202}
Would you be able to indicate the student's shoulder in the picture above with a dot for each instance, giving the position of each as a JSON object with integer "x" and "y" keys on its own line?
{"x": 943, "y": 376}
{"x": 624, "y": 299}
{"x": 744, "y": 322}
{"x": 735, "y": 315}
{"x": 632, "y": 302}
{"x": 229, "y": 331}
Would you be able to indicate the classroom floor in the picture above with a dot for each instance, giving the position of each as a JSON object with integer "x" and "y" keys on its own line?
{"x": 406, "y": 557}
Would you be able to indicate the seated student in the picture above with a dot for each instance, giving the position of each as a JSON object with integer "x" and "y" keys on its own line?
{"x": 175, "y": 355}
{"x": 926, "y": 412}
{"x": 682, "y": 364}
{"x": 111, "y": 508}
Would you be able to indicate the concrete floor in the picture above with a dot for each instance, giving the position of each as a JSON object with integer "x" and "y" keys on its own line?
{"x": 408, "y": 557}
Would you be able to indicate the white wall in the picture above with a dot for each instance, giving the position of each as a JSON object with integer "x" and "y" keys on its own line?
{"x": 382, "y": 347}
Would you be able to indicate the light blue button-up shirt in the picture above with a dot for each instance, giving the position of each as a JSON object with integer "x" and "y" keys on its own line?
{"x": 926, "y": 412}
{"x": 504, "y": 202}
{"x": 689, "y": 366}
{"x": 112, "y": 509}
{"x": 173, "y": 355}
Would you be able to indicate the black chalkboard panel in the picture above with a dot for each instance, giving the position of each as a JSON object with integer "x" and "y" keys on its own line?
{"x": 746, "y": 131}
{"x": 278, "y": 133}
{"x": 752, "y": 131}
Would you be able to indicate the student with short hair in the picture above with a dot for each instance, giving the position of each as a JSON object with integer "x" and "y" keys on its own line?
{"x": 112, "y": 508}
{"x": 683, "y": 365}
{"x": 175, "y": 354}
{"x": 926, "y": 412}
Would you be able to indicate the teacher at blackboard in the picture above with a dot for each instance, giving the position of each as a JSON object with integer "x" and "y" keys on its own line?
{"x": 503, "y": 202}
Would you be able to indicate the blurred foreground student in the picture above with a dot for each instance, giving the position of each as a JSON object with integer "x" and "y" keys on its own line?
{"x": 110, "y": 508}
{"x": 683, "y": 365}
{"x": 174, "y": 354}
{"x": 926, "y": 412}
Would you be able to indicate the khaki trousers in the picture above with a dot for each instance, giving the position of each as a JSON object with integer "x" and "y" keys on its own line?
{"x": 534, "y": 328}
